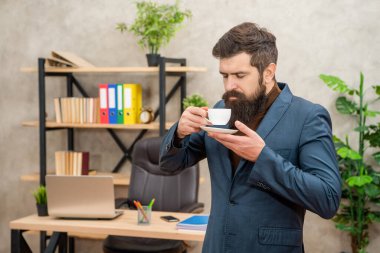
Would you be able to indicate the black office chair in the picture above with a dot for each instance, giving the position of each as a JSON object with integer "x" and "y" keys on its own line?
{"x": 173, "y": 192}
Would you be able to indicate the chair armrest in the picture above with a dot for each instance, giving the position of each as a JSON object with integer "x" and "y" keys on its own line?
{"x": 192, "y": 208}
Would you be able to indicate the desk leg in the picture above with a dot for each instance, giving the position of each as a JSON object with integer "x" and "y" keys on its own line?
{"x": 18, "y": 243}
{"x": 71, "y": 244}
{"x": 43, "y": 239}
{"x": 63, "y": 243}
{"x": 57, "y": 239}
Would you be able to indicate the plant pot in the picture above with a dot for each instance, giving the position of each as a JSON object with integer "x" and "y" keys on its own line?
{"x": 153, "y": 59}
{"x": 42, "y": 210}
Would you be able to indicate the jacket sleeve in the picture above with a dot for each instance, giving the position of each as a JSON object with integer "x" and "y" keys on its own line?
{"x": 316, "y": 183}
{"x": 188, "y": 152}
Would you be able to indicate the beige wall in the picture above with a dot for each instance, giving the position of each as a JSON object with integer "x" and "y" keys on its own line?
{"x": 334, "y": 37}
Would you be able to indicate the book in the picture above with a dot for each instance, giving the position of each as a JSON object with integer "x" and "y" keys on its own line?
{"x": 59, "y": 63}
{"x": 85, "y": 163}
{"x": 66, "y": 59}
{"x": 196, "y": 222}
{"x": 76, "y": 110}
{"x": 58, "y": 111}
{"x": 72, "y": 163}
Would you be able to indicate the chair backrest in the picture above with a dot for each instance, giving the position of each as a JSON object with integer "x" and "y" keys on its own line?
{"x": 172, "y": 191}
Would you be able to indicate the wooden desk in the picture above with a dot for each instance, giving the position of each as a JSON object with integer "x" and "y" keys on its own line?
{"x": 124, "y": 225}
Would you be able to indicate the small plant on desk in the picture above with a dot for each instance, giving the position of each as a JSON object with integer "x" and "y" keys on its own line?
{"x": 41, "y": 201}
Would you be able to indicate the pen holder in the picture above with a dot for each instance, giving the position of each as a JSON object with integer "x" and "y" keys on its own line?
{"x": 144, "y": 215}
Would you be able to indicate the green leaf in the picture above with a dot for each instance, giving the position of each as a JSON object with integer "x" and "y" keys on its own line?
{"x": 345, "y": 106}
{"x": 40, "y": 195}
{"x": 346, "y": 152}
{"x": 373, "y": 136}
{"x": 336, "y": 84}
{"x": 337, "y": 140}
{"x": 371, "y": 113}
{"x": 374, "y": 216}
{"x": 376, "y": 156}
{"x": 372, "y": 190}
{"x": 361, "y": 129}
{"x": 377, "y": 89}
{"x": 359, "y": 181}
{"x": 343, "y": 227}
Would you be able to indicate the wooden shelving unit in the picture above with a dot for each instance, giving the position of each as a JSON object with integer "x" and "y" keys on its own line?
{"x": 164, "y": 70}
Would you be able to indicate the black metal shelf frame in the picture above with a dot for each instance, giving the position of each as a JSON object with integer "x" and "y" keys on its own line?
{"x": 71, "y": 81}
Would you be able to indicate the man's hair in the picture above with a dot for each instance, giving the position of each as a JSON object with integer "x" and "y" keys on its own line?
{"x": 251, "y": 39}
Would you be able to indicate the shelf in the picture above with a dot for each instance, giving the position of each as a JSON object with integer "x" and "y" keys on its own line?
{"x": 53, "y": 124}
{"x": 118, "y": 178}
{"x": 115, "y": 69}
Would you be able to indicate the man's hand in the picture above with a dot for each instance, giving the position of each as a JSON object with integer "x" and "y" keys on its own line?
{"x": 247, "y": 146}
{"x": 191, "y": 120}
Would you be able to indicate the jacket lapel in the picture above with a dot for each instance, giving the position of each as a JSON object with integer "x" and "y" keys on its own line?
{"x": 276, "y": 111}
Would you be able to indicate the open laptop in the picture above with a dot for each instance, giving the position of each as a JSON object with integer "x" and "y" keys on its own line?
{"x": 88, "y": 197}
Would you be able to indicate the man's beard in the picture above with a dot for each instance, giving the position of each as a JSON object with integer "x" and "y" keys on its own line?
{"x": 244, "y": 108}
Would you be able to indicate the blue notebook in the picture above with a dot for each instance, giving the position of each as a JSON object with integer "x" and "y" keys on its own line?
{"x": 196, "y": 222}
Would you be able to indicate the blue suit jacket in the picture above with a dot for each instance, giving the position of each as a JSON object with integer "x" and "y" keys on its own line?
{"x": 261, "y": 208}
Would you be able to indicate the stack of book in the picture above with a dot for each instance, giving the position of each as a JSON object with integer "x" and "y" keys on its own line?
{"x": 76, "y": 110}
{"x": 71, "y": 163}
{"x": 66, "y": 59}
{"x": 196, "y": 222}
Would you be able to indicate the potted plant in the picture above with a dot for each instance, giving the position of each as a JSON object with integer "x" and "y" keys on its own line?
{"x": 361, "y": 182}
{"x": 194, "y": 100}
{"x": 41, "y": 201}
{"x": 155, "y": 25}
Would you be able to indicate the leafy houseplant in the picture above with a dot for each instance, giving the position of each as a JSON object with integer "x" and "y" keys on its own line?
{"x": 41, "y": 200}
{"x": 155, "y": 24}
{"x": 361, "y": 182}
{"x": 194, "y": 100}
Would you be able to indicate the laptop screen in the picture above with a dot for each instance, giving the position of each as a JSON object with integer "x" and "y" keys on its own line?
{"x": 80, "y": 196}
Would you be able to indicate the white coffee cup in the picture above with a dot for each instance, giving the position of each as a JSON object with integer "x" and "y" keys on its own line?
{"x": 219, "y": 116}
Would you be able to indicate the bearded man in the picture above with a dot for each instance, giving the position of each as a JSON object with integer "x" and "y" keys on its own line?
{"x": 280, "y": 164}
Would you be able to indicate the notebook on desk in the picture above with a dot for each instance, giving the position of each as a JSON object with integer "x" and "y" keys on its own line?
{"x": 86, "y": 197}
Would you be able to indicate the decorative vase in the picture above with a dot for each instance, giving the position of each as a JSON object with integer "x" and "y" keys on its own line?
{"x": 153, "y": 59}
{"x": 42, "y": 210}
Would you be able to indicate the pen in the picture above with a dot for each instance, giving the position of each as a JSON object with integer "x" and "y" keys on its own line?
{"x": 139, "y": 206}
{"x": 134, "y": 202}
{"x": 151, "y": 202}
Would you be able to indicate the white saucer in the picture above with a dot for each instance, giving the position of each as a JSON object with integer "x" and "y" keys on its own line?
{"x": 219, "y": 130}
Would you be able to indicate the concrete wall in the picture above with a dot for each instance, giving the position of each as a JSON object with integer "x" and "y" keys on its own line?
{"x": 333, "y": 37}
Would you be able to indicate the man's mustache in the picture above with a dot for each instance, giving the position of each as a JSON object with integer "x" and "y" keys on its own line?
{"x": 233, "y": 93}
